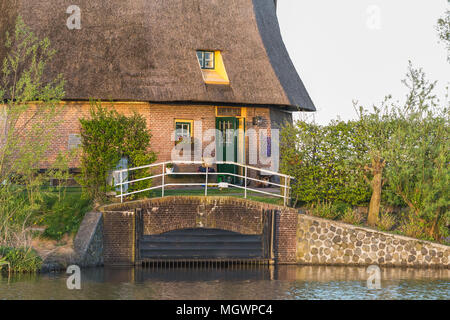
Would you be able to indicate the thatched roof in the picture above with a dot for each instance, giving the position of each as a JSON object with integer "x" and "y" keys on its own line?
{"x": 145, "y": 50}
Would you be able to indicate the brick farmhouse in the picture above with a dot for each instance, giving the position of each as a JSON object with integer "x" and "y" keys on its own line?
{"x": 178, "y": 63}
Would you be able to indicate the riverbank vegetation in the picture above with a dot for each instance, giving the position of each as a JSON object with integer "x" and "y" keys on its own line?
{"x": 62, "y": 216}
{"x": 19, "y": 260}
{"x": 27, "y": 130}
{"x": 394, "y": 160}
{"x": 38, "y": 203}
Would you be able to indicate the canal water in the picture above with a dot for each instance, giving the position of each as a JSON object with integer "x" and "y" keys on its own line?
{"x": 244, "y": 283}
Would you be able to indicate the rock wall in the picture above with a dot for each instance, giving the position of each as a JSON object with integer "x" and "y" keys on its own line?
{"x": 88, "y": 243}
{"x": 325, "y": 242}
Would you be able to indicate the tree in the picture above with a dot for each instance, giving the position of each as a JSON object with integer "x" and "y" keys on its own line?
{"x": 418, "y": 162}
{"x": 443, "y": 29}
{"x": 374, "y": 131}
{"x": 30, "y": 97}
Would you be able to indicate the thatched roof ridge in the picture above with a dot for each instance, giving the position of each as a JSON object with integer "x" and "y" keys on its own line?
{"x": 144, "y": 50}
{"x": 278, "y": 55}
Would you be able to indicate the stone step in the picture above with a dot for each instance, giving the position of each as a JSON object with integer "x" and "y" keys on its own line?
{"x": 204, "y": 254}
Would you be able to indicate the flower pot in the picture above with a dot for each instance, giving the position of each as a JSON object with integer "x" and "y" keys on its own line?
{"x": 169, "y": 170}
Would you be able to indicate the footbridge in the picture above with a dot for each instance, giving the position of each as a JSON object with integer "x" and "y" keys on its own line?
{"x": 205, "y": 229}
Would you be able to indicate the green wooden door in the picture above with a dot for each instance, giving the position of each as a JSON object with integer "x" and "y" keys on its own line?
{"x": 226, "y": 148}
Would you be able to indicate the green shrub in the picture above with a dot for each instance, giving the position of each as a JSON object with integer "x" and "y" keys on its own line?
{"x": 324, "y": 209}
{"x": 341, "y": 207}
{"x": 412, "y": 228}
{"x": 352, "y": 216}
{"x": 21, "y": 260}
{"x": 4, "y": 263}
{"x": 387, "y": 221}
{"x": 324, "y": 161}
{"x": 107, "y": 137}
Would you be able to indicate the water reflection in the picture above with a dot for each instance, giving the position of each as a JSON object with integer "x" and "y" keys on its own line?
{"x": 286, "y": 282}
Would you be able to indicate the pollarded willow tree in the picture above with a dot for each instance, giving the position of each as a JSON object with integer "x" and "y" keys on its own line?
{"x": 374, "y": 130}
{"x": 419, "y": 159}
{"x": 407, "y": 149}
{"x": 29, "y": 107}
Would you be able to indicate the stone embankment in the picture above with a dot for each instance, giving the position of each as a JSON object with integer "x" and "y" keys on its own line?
{"x": 325, "y": 242}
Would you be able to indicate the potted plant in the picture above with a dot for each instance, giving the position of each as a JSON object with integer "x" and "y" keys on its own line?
{"x": 169, "y": 168}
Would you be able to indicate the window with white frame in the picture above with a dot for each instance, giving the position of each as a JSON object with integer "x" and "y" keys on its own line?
{"x": 183, "y": 131}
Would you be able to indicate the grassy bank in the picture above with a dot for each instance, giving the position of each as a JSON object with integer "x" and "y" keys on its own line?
{"x": 62, "y": 212}
{"x": 19, "y": 260}
{"x": 48, "y": 214}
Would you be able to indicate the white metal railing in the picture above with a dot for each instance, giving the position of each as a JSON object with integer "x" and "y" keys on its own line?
{"x": 285, "y": 194}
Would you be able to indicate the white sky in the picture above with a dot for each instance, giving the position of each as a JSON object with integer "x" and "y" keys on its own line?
{"x": 343, "y": 52}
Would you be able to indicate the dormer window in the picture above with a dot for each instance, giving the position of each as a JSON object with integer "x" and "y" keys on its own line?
{"x": 212, "y": 67}
{"x": 206, "y": 59}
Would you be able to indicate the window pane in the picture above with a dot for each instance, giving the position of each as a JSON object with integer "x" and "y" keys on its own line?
{"x": 182, "y": 131}
{"x": 209, "y": 60}
{"x": 200, "y": 58}
{"x": 209, "y": 64}
{"x": 209, "y": 56}
{"x": 206, "y": 59}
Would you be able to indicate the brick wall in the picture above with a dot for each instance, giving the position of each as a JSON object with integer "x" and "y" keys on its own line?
{"x": 160, "y": 119}
{"x": 118, "y": 237}
{"x": 179, "y": 213}
{"x": 173, "y": 213}
{"x": 286, "y": 236}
